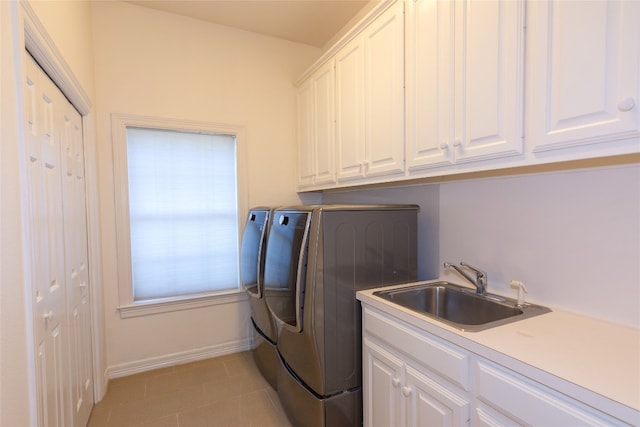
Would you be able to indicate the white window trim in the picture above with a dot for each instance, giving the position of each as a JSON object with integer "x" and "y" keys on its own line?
{"x": 126, "y": 305}
{"x": 181, "y": 303}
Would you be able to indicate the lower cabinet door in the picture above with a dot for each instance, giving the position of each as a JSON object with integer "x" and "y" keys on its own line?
{"x": 484, "y": 416}
{"x": 382, "y": 378}
{"x": 530, "y": 403}
{"x": 396, "y": 393}
{"x": 431, "y": 403}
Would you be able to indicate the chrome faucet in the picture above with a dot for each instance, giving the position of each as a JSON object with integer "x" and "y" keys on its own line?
{"x": 481, "y": 277}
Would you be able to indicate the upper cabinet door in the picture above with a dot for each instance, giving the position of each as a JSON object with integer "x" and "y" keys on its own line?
{"x": 324, "y": 115}
{"x": 350, "y": 111}
{"x": 489, "y": 79}
{"x": 306, "y": 159}
{"x": 465, "y": 84}
{"x": 584, "y": 72}
{"x": 430, "y": 83}
{"x": 316, "y": 129}
{"x": 384, "y": 92}
{"x": 370, "y": 100}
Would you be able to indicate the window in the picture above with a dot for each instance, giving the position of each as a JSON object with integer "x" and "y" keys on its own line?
{"x": 178, "y": 213}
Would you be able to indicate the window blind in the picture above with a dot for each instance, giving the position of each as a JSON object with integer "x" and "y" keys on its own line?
{"x": 182, "y": 212}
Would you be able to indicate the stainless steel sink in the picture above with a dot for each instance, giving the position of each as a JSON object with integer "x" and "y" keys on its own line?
{"x": 460, "y": 307}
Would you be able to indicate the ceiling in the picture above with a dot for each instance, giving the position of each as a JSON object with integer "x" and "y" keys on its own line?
{"x": 311, "y": 22}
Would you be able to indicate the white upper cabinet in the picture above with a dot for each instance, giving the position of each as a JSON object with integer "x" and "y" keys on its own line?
{"x": 430, "y": 82}
{"x": 306, "y": 158}
{"x": 384, "y": 92}
{"x": 464, "y": 81}
{"x": 350, "y": 111}
{"x": 370, "y": 99}
{"x": 583, "y": 71}
{"x": 324, "y": 114}
{"x": 316, "y": 129}
{"x": 440, "y": 88}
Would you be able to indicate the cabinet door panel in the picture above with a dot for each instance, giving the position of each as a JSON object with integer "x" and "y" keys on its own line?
{"x": 381, "y": 392}
{"x": 433, "y": 404}
{"x": 323, "y": 96}
{"x": 489, "y": 100}
{"x": 350, "y": 111}
{"x": 384, "y": 93}
{"x": 306, "y": 168}
{"x": 532, "y": 403}
{"x": 485, "y": 416}
{"x": 430, "y": 83}
{"x": 584, "y": 72}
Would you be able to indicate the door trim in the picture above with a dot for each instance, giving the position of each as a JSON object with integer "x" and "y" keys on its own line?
{"x": 46, "y": 54}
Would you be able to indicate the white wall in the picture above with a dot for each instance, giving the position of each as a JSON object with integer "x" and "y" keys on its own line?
{"x": 14, "y": 322}
{"x": 573, "y": 237}
{"x": 153, "y": 63}
{"x": 68, "y": 23}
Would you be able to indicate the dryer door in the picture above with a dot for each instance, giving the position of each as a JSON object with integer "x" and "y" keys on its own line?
{"x": 254, "y": 242}
{"x": 285, "y": 267}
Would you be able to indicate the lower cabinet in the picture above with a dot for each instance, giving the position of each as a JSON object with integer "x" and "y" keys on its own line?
{"x": 520, "y": 400}
{"x": 383, "y": 374}
{"x": 412, "y": 378}
{"x": 399, "y": 392}
{"x": 432, "y": 402}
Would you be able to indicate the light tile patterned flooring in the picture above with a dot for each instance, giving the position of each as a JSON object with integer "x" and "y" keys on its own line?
{"x": 224, "y": 391}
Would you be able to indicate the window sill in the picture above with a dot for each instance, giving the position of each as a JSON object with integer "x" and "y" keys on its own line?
{"x": 166, "y": 305}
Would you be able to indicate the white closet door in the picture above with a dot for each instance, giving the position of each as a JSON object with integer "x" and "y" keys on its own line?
{"x": 59, "y": 276}
{"x": 76, "y": 265}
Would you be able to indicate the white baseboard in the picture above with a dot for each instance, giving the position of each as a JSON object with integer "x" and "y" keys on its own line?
{"x": 130, "y": 368}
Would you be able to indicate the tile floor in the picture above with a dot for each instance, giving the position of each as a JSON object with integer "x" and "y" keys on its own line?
{"x": 224, "y": 391}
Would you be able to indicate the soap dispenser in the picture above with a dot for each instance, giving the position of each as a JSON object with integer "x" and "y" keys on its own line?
{"x": 516, "y": 284}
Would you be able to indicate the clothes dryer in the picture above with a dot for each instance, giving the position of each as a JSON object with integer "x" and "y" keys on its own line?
{"x": 254, "y": 242}
{"x": 318, "y": 257}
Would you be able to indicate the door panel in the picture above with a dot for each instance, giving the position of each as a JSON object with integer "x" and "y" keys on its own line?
{"x": 59, "y": 254}
{"x": 324, "y": 125}
{"x": 47, "y": 273}
{"x": 584, "y": 72}
{"x": 430, "y": 83}
{"x": 285, "y": 267}
{"x": 350, "y": 111}
{"x": 76, "y": 265}
{"x": 384, "y": 93}
{"x": 306, "y": 144}
{"x": 489, "y": 101}
{"x": 381, "y": 392}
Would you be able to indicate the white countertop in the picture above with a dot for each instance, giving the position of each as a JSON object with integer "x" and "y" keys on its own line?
{"x": 591, "y": 360}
